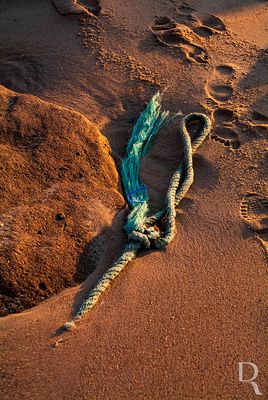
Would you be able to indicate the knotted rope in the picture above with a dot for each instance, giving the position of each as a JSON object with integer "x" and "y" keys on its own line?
{"x": 141, "y": 227}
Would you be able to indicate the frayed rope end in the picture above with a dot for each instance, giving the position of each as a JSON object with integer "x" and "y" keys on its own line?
{"x": 69, "y": 326}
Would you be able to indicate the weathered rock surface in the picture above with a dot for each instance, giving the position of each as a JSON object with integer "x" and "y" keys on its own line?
{"x": 58, "y": 187}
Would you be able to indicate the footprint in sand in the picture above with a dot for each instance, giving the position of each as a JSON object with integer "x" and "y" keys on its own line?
{"x": 185, "y": 7}
{"x": 188, "y": 34}
{"x": 259, "y": 119}
{"x": 227, "y": 136}
{"x": 223, "y": 132}
{"x": 254, "y": 210}
{"x": 220, "y": 85}
{"x": 223, "y": 115}
{"x": 89, "y": 7}
{"x": 203, "y": 24}
{"x": 208, "y": 24}
{"x": 180, "y": 37}
{"x": 20, "y": 72}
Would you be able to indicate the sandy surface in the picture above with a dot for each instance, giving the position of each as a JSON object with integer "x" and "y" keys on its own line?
{"x": 176, "y": 322}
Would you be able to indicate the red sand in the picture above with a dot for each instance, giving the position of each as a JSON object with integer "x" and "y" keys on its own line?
{"x": 177, "y": 322}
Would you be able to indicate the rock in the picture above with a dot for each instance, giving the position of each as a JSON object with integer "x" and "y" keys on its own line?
{"x": 58, "y": 186}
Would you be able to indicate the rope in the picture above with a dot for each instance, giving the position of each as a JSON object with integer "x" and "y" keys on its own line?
{"x": 141, "y": 227}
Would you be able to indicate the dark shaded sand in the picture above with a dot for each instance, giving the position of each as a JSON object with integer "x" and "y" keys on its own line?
{"x": 176, "y": 322}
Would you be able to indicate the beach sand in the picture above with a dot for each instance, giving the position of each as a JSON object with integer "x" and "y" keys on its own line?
{"x": 175, "y": 324}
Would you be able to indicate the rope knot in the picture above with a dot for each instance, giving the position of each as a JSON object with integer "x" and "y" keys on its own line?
{"x": 141, "y": 228}
{"x": 146, "y": 237}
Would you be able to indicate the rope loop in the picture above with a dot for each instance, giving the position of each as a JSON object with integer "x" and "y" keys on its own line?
{"x": 141, "y": 227}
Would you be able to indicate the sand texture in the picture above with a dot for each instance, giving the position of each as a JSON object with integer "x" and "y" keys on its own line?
{"x": 74, "y": 77}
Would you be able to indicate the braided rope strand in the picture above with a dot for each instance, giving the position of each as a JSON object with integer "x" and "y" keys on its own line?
{"x": 140, "y": 227}
{"x": 105, "y": 282}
